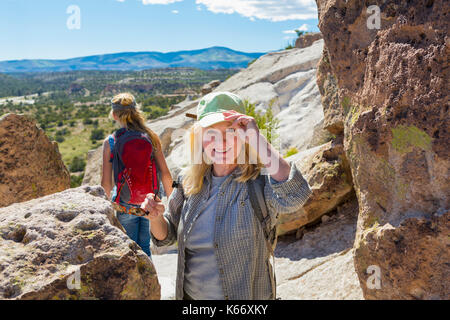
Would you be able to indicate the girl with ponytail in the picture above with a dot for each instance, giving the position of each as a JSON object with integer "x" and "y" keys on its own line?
{"x": 128, "y": 188}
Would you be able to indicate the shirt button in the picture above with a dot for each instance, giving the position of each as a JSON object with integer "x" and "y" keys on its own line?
{"x": 242, "y": 203}
{"x": 216, "y": 245}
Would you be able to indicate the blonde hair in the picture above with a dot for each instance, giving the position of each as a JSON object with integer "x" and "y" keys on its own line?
{"x": 132, "y": 118}
{"x": 193, "y": 176}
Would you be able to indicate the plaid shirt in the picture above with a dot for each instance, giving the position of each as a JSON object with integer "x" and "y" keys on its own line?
{"x": 241, "y": 249}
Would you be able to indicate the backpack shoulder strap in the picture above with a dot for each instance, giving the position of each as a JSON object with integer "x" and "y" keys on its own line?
{"x": 111, "y": 141}
{"x": 256, "y": 195}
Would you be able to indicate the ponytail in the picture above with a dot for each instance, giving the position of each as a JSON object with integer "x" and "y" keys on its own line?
{"x": 125, "y": 108}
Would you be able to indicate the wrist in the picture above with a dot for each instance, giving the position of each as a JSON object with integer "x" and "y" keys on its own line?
{"x": 157, "y": 219}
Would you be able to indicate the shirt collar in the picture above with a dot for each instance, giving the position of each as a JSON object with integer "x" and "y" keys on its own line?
{"x": 235, "y": 173}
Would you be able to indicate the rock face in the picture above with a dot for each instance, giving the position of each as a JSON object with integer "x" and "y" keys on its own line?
{"x": 46, "y": 242}
{"x": 320, "y": 264}
{"x": 307, "y": 39}
{"x": 328, "y": 174}
{"x": 393, "y": 90}
{"x": 327, "y": 83}
{"x": 30, "y": 164}
{"x": 92, "y": 175}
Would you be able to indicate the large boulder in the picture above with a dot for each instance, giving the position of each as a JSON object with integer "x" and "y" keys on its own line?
{"x": 328, "y": 174}
{"x": 307, "y": 39}
{"x": 393, "y": 89}
{"x": 30, "y": 164}
{"x": 70, "y": 245}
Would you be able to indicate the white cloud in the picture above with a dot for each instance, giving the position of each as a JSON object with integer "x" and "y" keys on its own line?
{"x": 175, "y": 11}
{"x": 274, "y": 10}
{"x": 159, "y": 1}
{"x": 303, "y": 27}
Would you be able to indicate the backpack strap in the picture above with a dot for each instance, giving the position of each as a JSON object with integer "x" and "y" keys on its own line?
{"x": 256, "y": 196}
{"x": 111, "y": 141}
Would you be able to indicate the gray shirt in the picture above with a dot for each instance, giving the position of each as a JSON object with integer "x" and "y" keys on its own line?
{"x": 201, "y": 279}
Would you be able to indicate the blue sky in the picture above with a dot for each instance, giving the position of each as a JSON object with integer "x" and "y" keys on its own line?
{"x": 32, "y": 29}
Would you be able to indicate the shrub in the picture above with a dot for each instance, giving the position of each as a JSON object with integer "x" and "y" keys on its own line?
{"x": 87, "y": 121}
{"x": 78, "y": 164}
{"x": 97, "y": 134}
{"x": 76, "y": 180}
{"x": 266, "y": 122}
{"x": 291, "y": 151}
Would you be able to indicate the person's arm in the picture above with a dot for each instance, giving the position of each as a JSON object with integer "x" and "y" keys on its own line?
{"x": 285, "y": 189}
{"x": 164, "y": 225}
{"x": 248, "y": 131}
{"x": 107, "y": 182}
{"x": 159, "y": 226}
{"x": 165, "y": 172}
{"x": 277, "y": 167}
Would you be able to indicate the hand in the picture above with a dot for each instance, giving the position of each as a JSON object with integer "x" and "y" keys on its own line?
{"x": 245, "y": 125}
{"x": 153, "y": 205}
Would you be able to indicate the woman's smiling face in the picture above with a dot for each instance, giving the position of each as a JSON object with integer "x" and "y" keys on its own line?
{"x": 221, "y": 143}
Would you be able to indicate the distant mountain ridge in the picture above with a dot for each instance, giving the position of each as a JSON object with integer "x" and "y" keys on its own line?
{"x": 209, "y": 58}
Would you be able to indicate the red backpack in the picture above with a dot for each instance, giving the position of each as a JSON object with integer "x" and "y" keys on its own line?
{"x": 134, "y": 165}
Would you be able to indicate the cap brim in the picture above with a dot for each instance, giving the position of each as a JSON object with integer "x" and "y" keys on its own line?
{"x": 211, "y": 119}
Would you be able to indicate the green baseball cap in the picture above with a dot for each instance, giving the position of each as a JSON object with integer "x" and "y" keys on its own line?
{"x": 216, "y": 106}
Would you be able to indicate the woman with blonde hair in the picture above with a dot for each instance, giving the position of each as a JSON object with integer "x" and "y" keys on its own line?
{"x": 134, "y": 155}
{"x": 222, "y": 227}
